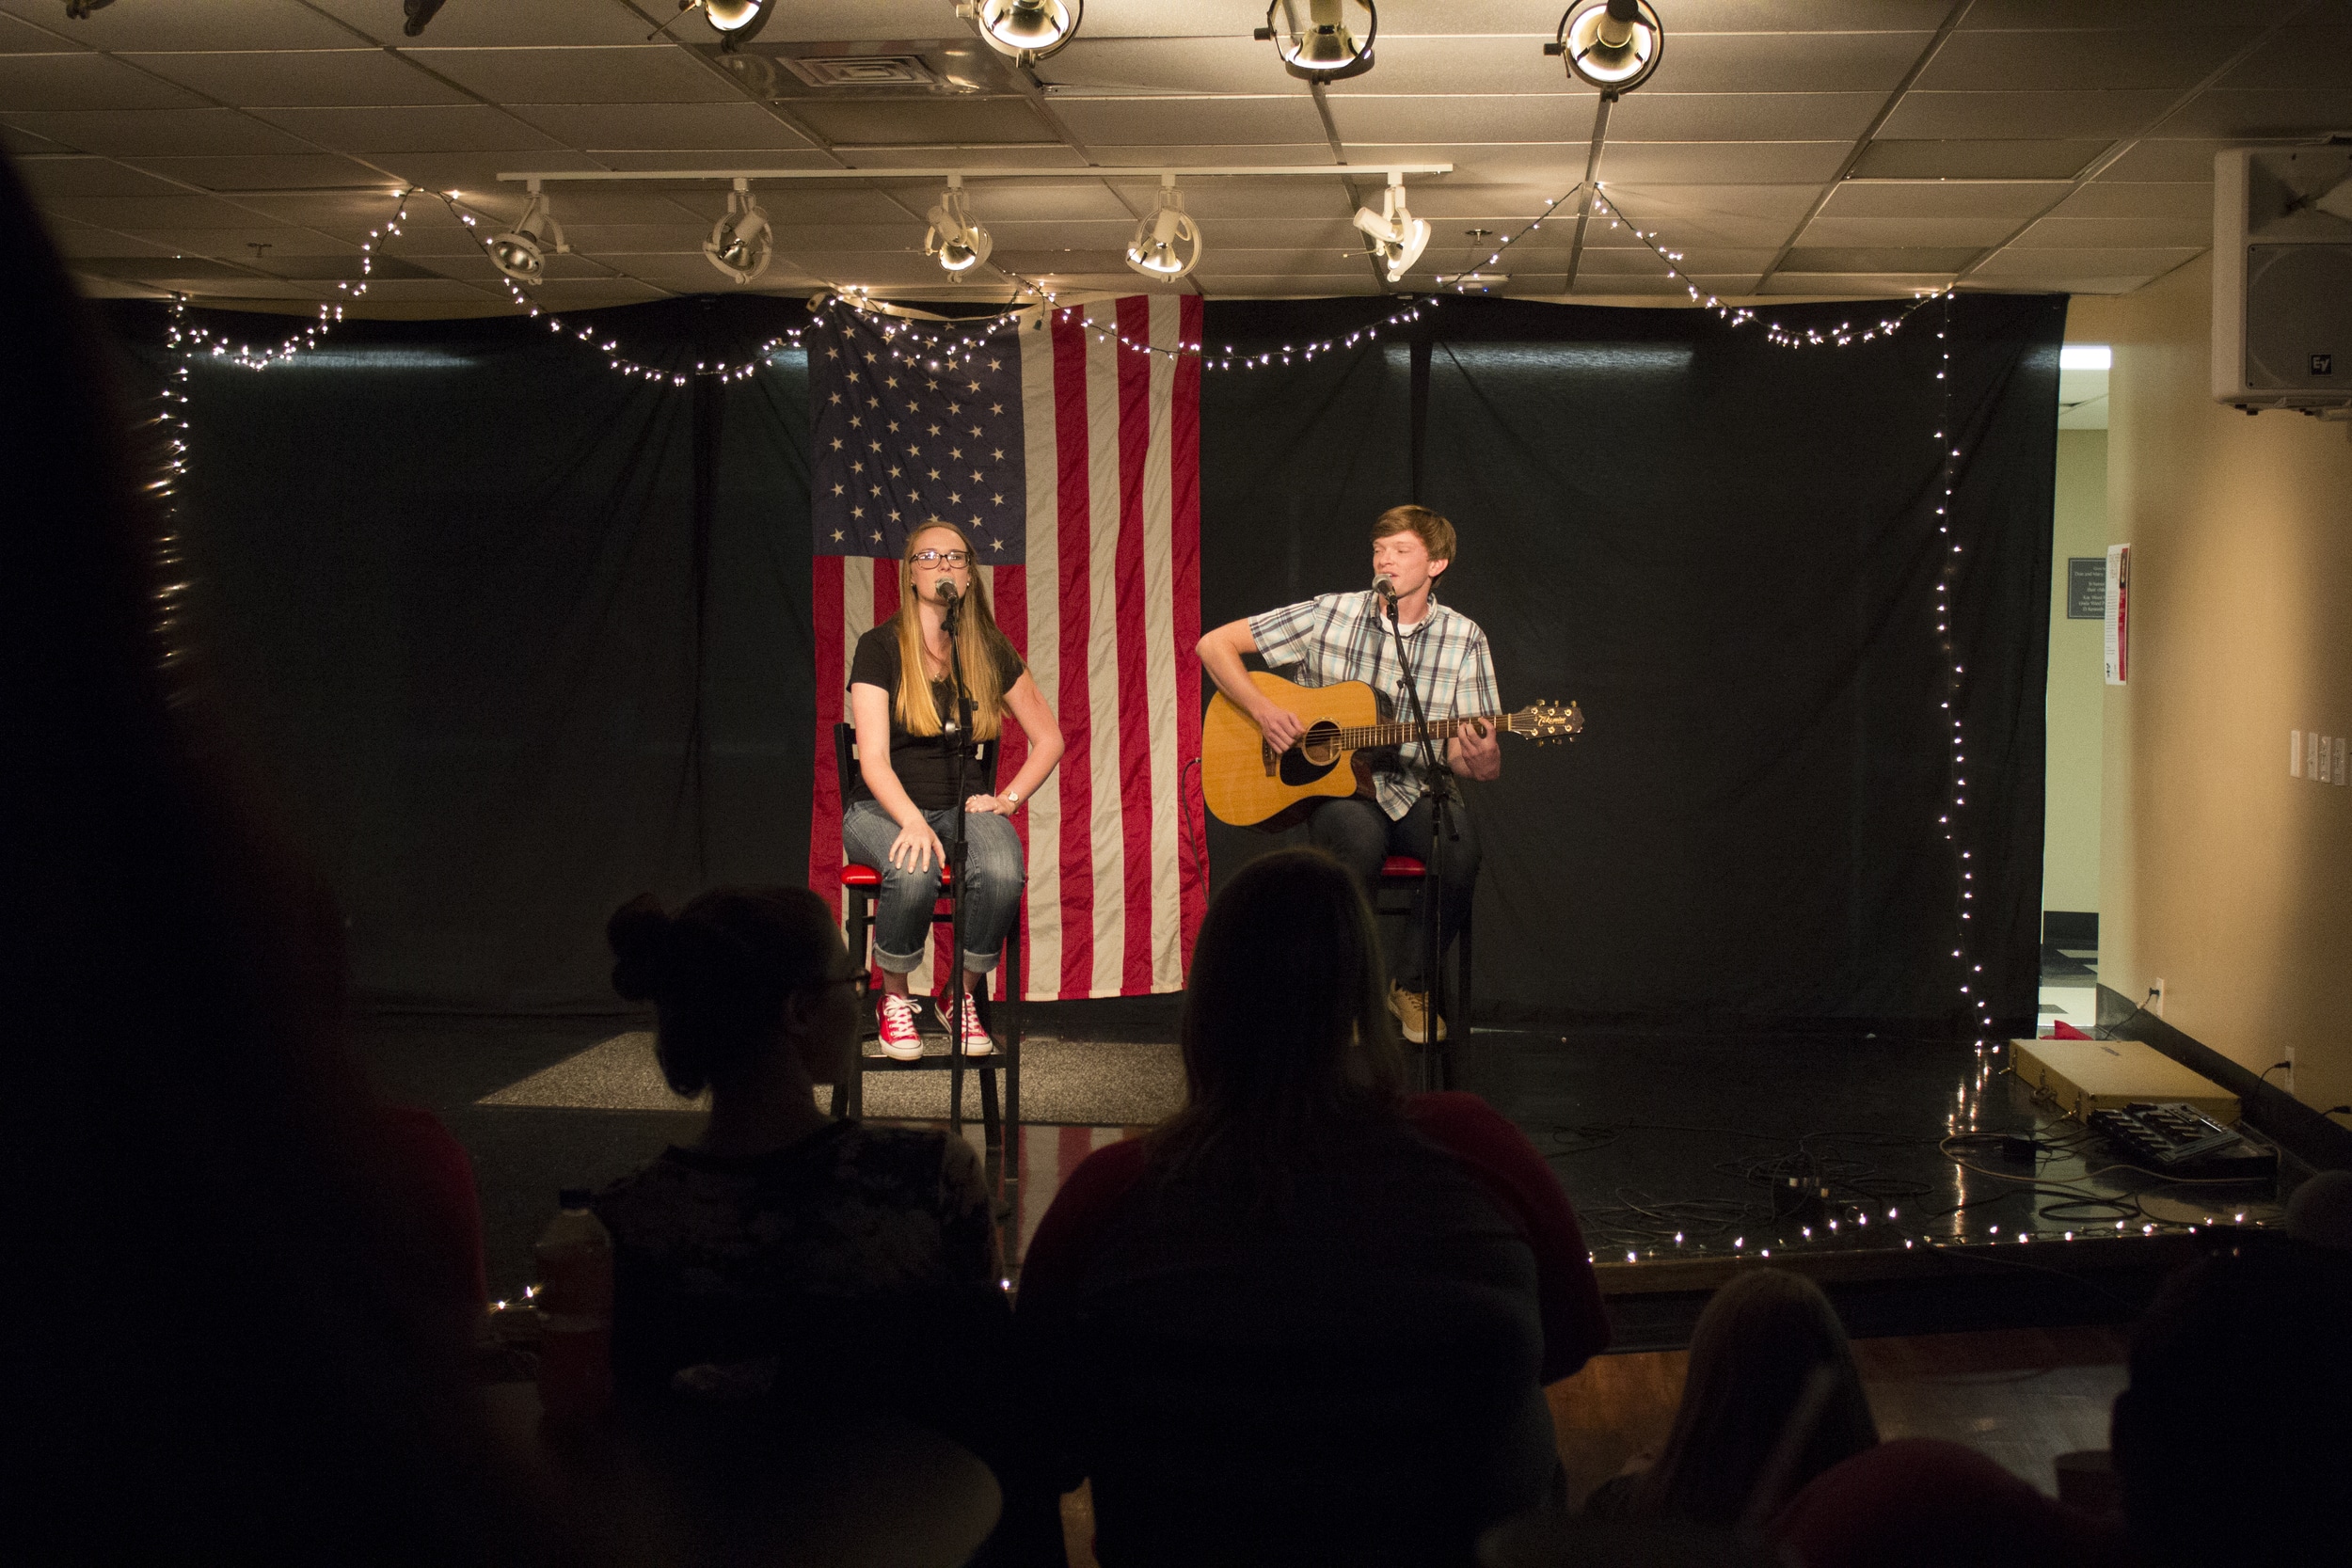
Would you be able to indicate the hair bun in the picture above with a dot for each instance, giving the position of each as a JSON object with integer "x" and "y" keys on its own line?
{"x": 643, "y": 940}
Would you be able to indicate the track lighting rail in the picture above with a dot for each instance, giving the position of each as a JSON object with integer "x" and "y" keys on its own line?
{"x": 1092, "y": 171}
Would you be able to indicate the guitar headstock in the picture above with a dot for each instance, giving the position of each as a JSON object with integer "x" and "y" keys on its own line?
{"x": 1542, "y": 721}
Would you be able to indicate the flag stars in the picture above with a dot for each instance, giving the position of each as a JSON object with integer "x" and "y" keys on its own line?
{"x": 954, "y": 499}
{"x": 890, "y": 382}
{"x": 996, "y": 364}
{"x": 934, "y": 430}
{"x": 956, "y": 452}
{"x": 976, "y": 476}
{"x": 894, "y": 427}
{"x": 857, "y": 512}
{"x": 837, "y": 489}
{"x": 934, "y": 473}
{"x": 996, "y": 500}
{"x": 998, "y": 454}
{"x": 894, "y": 471}
{"x": 955, "y": 408}
{"x": 837, "y": 536}
{"x": 878, "y": 531}
{"x": 995, "y": 544}
{"x": 975, "y": 433}
{"x": 857, "y": 468}
{"x": 855, "y": 422}
{"x": 996, "y": 408}
{"x": 972, "y": 385}
{"x": 836, "y": 443}
{"x": 834, "y": 396}
{"x": 833, "y": 354}
{"x": 873, "y": 403}
{"x": 894, "y": 517}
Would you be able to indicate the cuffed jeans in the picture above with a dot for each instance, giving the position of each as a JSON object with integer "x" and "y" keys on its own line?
{"x": 993, "y": 874}
{"x": 1358, "y": 834}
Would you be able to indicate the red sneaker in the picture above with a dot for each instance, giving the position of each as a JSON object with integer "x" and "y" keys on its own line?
{"x": 968, "y": 1030}
{"x": 899, "y": 1043}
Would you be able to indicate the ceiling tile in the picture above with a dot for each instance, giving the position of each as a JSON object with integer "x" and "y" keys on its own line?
{"x": 1681, "y": 227}
{"x": 1966, "y": 158}
{"x": 2232, "y": 113}
{"x": 938, "y": 122}
{"x": 283, "y": 239}
{"x": 194, "y": 24}
{"x": 1704, "y": 163}
{"x": 1940, "y": 199}
{"x": 1555, "y": 117}
{"x": 2305, "y": 57}
{"x": 75, "y": 174}
{"x": 2103, "y": 233}
{"x": 2104, "y": 261}
{"x": 630, "y": 73}
{"x": 133, "y": 133}
{"x": 2165, "y": 159}
{"x": 2137, "y": 57}
{"x": 1162, "y": 66}
{"x": 1449, "y": 64}
{"x": 476, "y": 173}
{"x": 2179, "y": 15}
{"x": 2033, "y": 115}
{"x": 30, "y": 82}
{"x": 498, "y": 23}
{"x": 1151, "y": 155}
{"x": 720, "y": 160}
{"x": 746, "y": 126}
{"x": 229, "y": 173}
{"x": 2102, "y": 199}
{"x": 1742, "y": 116}
{"x": 301, "y": 78}
{"x": 133, "y": 213}
{"x": 1205, "y": 122}
{"x": 1763, "y": 201}
{"x": 23, "y": 37}
{"x": 1944, "y": 259}
{"x": 1784, "y": 61}
{"x": 73, "y": 238}
{"x": 1854, "y": 285}
{"x": 24, "y": 143}
{"x": 453, "y": 128}
{"x": 1975, "y": 232}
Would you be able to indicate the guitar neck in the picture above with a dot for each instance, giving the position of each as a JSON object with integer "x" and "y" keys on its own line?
{"x": 1407, "y": 733}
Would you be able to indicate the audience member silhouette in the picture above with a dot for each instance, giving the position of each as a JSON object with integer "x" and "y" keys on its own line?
{"x": 784, "y": 1253}
{"x": 229, "y": 1337}
{"x": 1925, "y": 1503}
{"x": 1771, "y": 1401}
{"x": 2232, "y": 1441}
{"x": 1309, "y": 1319}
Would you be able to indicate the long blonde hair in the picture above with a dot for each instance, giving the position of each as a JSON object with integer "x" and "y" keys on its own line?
{"x": 977, "y": 643}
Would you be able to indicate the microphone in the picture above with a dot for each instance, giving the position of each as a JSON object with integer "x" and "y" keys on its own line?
{"x": 946, "y": 592}
{"x": 1384, "y": 586}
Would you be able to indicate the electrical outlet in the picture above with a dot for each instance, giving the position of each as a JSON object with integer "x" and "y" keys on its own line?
{"x": 2155, "y": 996}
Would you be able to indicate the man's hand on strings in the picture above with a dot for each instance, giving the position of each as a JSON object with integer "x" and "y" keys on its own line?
{"x": 1280, "y": 727}
{"x": 1475, "y": 750}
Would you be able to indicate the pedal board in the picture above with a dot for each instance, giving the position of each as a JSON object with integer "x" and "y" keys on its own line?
{"x": 2180, "y": 1141}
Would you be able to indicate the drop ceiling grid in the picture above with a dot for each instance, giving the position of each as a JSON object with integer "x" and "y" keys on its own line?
{"x": 1760, "y": 99}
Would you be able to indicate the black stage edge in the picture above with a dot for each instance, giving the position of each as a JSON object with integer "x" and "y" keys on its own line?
{"x": 1688, "y": 1154}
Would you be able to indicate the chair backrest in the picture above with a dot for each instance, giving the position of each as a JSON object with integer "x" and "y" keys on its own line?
{"x": 846, "y": 770}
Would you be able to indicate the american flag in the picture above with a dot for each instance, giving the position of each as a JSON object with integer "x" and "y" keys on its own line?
{"x": 1074, "y": 462}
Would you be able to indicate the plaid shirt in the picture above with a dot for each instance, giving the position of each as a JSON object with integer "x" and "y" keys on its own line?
{"x": 1342, "y": 637}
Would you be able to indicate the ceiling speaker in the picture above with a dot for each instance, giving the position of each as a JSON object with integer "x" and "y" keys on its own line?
{"x": 2282, "y": 277}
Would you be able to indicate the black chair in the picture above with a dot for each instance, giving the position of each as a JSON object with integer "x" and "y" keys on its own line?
{"x": 1401, "y": 876}
{"x": 863, "y": 884}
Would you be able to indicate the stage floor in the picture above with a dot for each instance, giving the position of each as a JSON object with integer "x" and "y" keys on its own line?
{"x": 1670, "y": 1143}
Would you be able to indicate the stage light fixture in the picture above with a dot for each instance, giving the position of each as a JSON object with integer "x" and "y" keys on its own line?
{"x": 1026, "y": 29}
{"x": 959, "y": 243}
{"x": 1154, "y": 251}
{"x": 521, "y": 253}
{"x": 1397, "y": 235}
{"x": 1614, "y": 44}
{"x": 741, "y": 243}
{"x": 736, "y": 22}
{"x": 1335, "y": 44}
{"x": 418, "y": 13}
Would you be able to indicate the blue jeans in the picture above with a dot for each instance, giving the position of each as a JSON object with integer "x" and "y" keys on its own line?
{"x": 994, "y": 876}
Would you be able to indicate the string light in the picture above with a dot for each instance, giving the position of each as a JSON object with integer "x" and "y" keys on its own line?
{"x": 190, "y": 338}
{"x": 1841, "y": 336}
{"x": 615, "y": 359}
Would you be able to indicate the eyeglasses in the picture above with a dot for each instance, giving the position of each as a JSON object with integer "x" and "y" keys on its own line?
{"x": 942, "y": 558}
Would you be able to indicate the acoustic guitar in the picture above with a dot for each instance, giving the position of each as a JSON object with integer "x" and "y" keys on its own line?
{"x": 1249, "y": 785}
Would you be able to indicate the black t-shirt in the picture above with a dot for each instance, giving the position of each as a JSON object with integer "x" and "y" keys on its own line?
{"x": 922, "y": 761}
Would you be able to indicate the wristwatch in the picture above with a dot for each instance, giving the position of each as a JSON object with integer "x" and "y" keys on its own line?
{"x": 1010, "y": 797}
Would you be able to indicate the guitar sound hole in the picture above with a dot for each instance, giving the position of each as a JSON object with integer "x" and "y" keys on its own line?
{"x": 1314, "y": 755}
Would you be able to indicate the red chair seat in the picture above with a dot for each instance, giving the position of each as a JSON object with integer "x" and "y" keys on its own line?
{"x": 865, "y": 876}
{"x": 1403, "y": 866}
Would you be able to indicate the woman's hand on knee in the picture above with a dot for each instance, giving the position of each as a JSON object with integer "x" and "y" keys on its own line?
{"x": 917, "y": 848}
{"x": 993, "y": 804}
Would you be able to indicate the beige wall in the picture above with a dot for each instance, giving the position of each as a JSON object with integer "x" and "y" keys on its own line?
{"x": 2078, "y": 691}
{"x": 2218, "y": 873}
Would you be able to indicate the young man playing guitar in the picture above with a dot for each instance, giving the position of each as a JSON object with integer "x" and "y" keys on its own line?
{"x": 1346, "y": 637}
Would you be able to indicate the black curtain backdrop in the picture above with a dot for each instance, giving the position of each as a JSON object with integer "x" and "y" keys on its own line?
{"x": 514, "y": 637}
{"x": 1729, "y": 553}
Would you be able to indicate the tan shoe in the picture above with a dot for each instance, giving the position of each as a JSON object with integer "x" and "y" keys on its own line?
{"x": 1411, "y": 1010}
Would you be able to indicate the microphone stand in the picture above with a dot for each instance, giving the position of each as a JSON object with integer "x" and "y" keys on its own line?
{"x": 1438, "y": 781}
{"x": 962, "y": 750}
